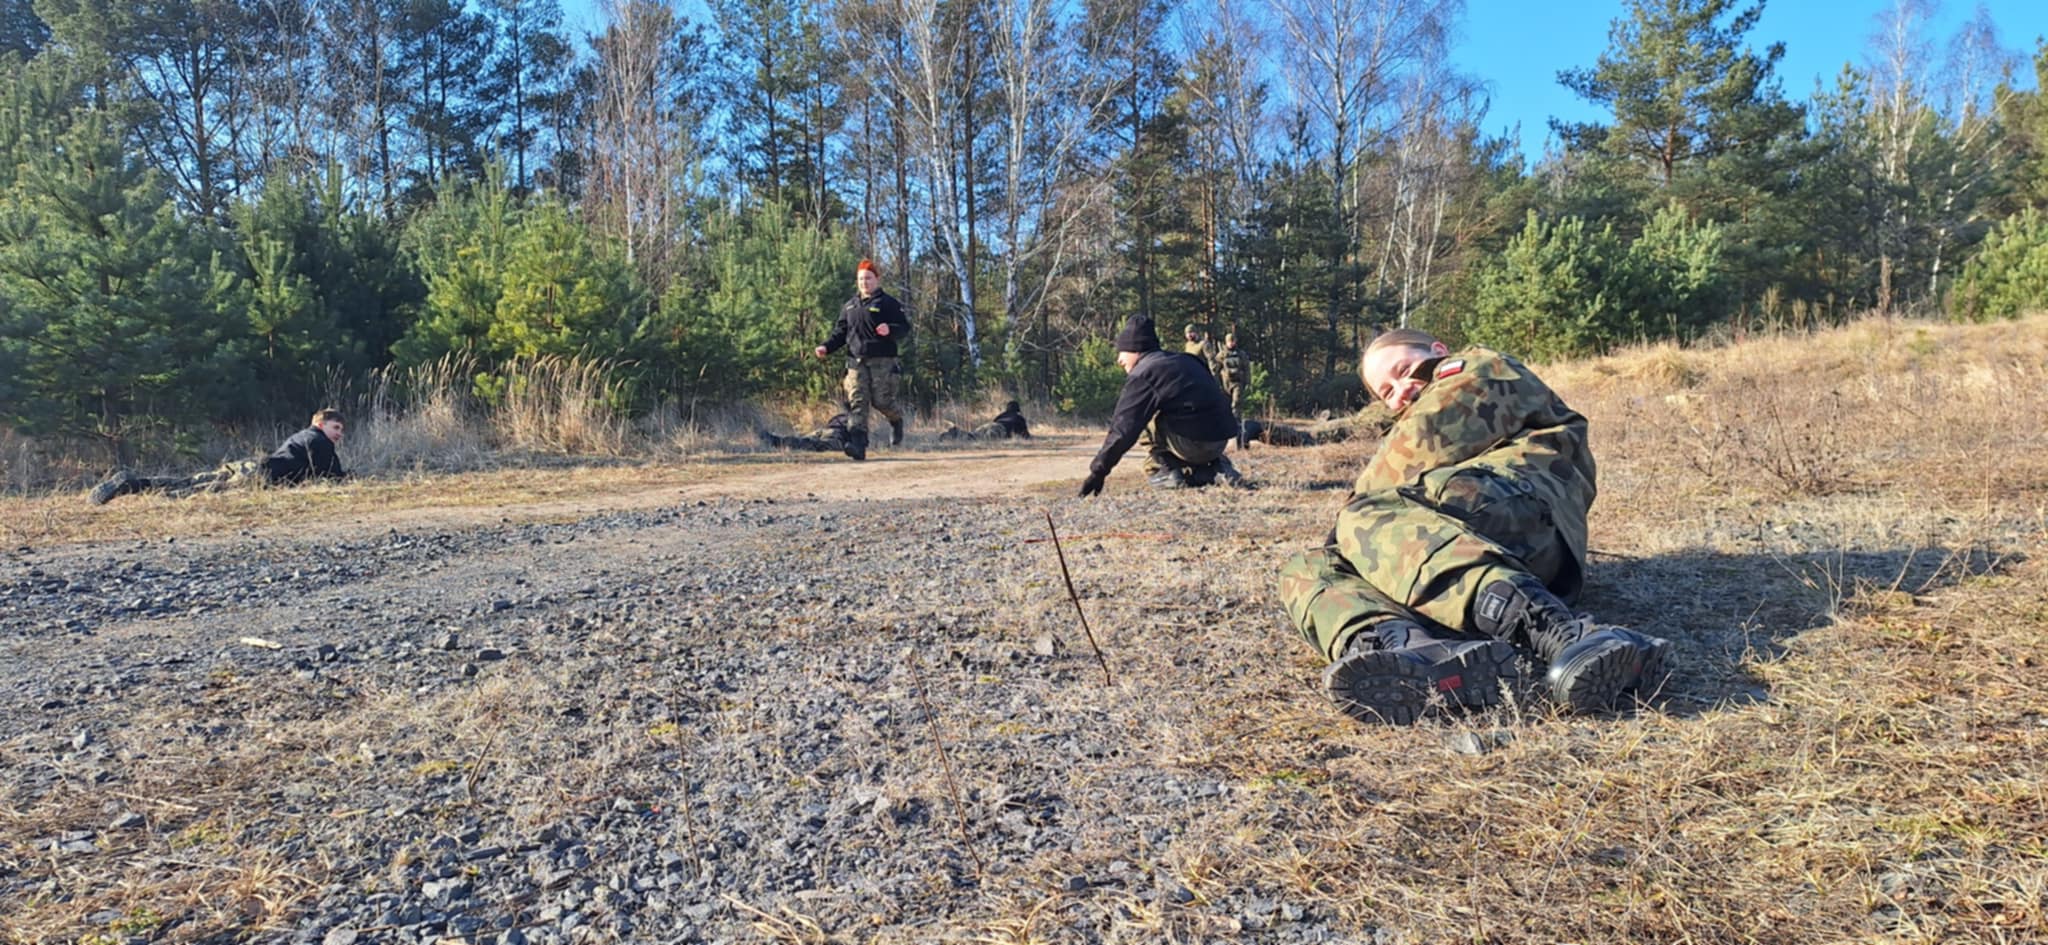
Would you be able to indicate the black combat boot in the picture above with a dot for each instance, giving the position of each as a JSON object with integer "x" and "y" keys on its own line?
{"x": 896, "y": 432}
{"x": 1591, "y": 667}
{"x": 1169, "y": 477}
{"x": 857, "y": 444}
{"x": 1227, "y": 471}
{"x": 1389, "y": 670}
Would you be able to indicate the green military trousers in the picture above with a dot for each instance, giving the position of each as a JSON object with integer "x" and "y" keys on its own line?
{"x": 229, "y": 475}
{"x": 870, "y": 382}
{"x": 1406, "y": 554}
{"x": 1165, "y": 448}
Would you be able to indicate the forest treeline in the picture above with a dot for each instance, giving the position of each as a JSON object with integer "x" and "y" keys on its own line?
{"x": 219, "y": 210}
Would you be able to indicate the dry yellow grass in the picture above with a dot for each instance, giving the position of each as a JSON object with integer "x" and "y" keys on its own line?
{"x": 1862, "y": 757}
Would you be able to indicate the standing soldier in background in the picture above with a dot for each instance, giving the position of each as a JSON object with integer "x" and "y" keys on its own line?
{"x": 1236, "y": 375}
{"x": 1463, "y": 539}
{"x": 870, "y": 327}
{"x": 1202, "y": 347}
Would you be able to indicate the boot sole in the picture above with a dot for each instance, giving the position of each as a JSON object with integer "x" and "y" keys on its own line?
{"x": 1597, "y": 679}
{"x": 1378, "y": 687}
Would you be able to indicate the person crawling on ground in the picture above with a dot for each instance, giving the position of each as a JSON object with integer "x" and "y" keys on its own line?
{"x": 305, "y": 455}
{"x": 1009, "y": 424}
{"x": 830, "y": 438}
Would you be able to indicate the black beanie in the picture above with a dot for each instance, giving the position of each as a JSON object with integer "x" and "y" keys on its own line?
{"x": 1138, "y": 336}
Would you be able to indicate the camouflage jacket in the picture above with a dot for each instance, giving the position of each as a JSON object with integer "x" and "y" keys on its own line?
{"x": 1210, "y": 352}
{"x": 1237, "y": 369}
{"x": 1483, "y": 411}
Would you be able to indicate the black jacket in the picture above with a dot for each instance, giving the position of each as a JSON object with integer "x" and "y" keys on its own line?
{"x": 1013, "y": 422}
{"x": 855, "y": 330}
{"x": 308, "y": 454}
{"x": 1176, "y": 388}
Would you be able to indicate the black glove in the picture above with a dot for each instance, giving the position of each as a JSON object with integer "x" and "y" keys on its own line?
{"x": 1091, "y": 485}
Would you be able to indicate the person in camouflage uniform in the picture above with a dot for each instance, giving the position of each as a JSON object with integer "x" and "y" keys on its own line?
{"x": 830, "y": 438}
{"x": 1234, "y": 369}
{"x": 228, "y": 476}
{"x": 1200, "y": 345}
{"x": 1006, "y": 425}
{"x": 1463, "y": 539}
{"x": 871, "y": 326}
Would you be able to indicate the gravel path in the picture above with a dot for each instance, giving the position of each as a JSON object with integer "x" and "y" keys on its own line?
{"x": 813, "y": 702}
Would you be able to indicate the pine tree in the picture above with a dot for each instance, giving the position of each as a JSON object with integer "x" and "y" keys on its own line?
{"x": 2025, "y": 117}
{"x": 769, "y": 287}
{"x": 442, "y": 74}
{"x": 1682, "y": 88}
{"x": 115, "y": 314}
{"x": 529, "y": 76}
{"x": 1703, "y": 118}
{"x": 782, "y": 77}
{"x": 22, "y": 32}
{"x": 563, "y": 291}
{"x": 329, "y": 292}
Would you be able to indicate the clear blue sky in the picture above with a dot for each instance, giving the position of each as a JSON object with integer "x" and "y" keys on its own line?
{"x": 1519, "y": 46}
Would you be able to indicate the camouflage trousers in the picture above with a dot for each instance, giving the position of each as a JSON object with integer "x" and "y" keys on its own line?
{"x": 987, "y": 431}
{"x": 824, "y": 440}
{"x": 871, "y": 382}
{"x": 1165, "y": 448}
{"x": 1236, "y": 394}
{"x": 218, "y": 480}
{"x": 1280, "y": 434}
{"x": 1402, "y": 554}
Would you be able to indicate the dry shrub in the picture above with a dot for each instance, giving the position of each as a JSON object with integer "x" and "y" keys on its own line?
{"x": 1660, "y": 368}
{"x": 416, "y": 418}
{"x": 22, "y": 465}
{"x": 1664, "y": 367}
{"x": 428, "y": 417}
{"x": 691, "y": 427}
{"x": 1820, "y": 414}
{"x": 562, "y": 405}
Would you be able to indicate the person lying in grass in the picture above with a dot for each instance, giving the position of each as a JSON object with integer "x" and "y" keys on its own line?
{"x": 307, "y": 454}
{"x": 1460, "y": 546}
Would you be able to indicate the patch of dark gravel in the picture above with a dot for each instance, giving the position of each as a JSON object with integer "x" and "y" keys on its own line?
{"x": 719, "y": 722}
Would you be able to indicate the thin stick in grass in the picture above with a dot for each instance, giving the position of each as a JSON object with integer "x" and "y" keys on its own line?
{"x": 931, "y": 719}
{"x": 1103, "y": 661}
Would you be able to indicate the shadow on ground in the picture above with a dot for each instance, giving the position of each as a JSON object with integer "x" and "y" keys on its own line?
{"x": 1726, "y": 610}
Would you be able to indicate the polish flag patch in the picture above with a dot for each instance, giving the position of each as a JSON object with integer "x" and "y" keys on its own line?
{"x": 1450, "y": 369}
